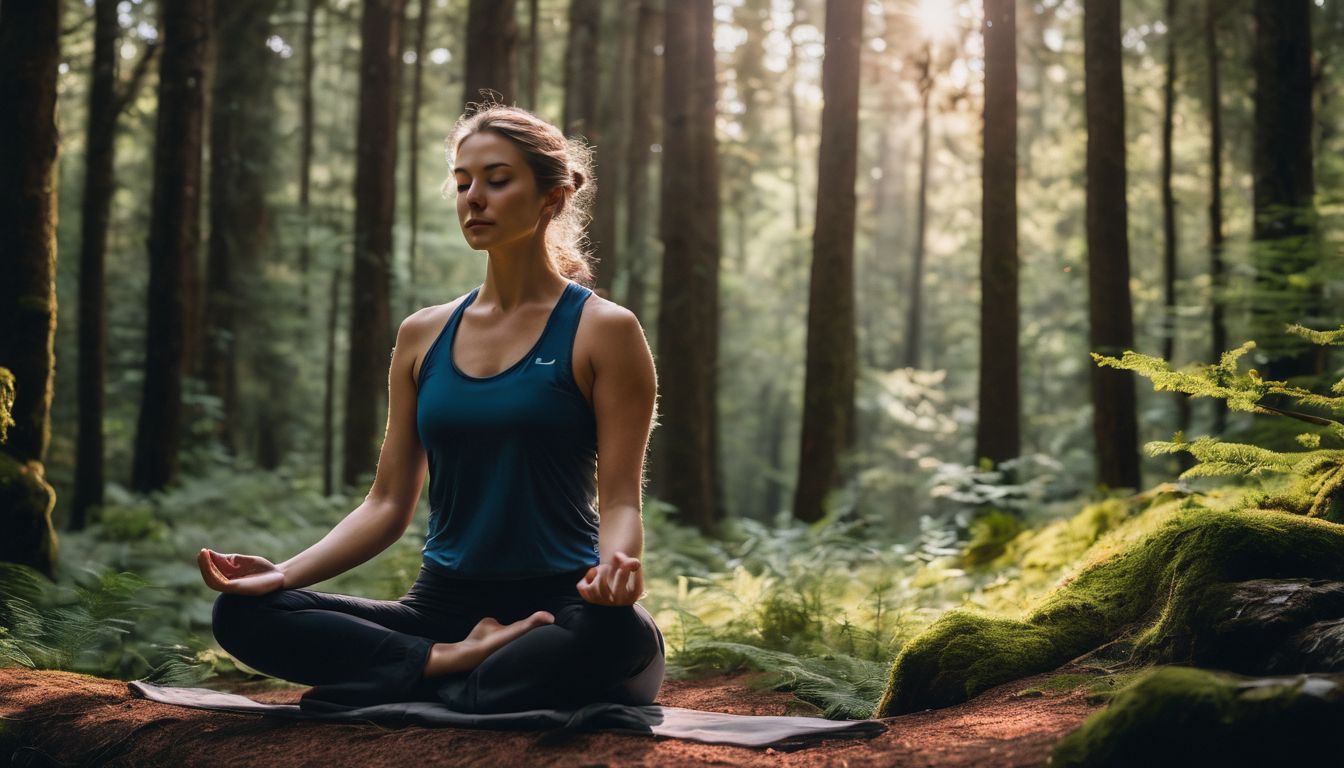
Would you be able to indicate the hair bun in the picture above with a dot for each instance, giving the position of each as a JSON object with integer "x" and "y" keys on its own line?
{"x": 579, "y": 180}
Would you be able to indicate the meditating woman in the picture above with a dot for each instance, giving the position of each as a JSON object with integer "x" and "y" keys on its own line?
{"x": 526, "y": 400}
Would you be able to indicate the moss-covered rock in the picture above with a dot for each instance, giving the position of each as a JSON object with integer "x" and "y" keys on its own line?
{"x": 1150, "y": 590}
{"x": 26, "y": 502}
{"x": 1181, "y": 716}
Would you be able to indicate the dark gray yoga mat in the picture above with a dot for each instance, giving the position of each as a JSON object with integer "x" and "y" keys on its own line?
{"x": 672, "y": 722}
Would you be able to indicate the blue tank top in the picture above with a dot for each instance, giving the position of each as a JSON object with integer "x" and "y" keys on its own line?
{"x": 512, "y": 457}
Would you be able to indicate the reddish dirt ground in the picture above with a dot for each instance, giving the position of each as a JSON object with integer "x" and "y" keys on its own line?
{"x": 58, "y": 718}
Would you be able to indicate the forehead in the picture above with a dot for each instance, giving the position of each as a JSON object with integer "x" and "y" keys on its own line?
{"x": 479, "y": 151}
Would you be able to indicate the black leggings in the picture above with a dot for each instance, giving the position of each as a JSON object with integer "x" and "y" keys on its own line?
{"x": 358, "y": 652}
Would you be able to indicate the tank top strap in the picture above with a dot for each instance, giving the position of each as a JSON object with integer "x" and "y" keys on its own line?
{"x": 564, "y": 324}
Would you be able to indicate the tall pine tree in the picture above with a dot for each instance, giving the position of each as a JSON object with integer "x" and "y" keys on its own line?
{"x": 1111, "y": 323}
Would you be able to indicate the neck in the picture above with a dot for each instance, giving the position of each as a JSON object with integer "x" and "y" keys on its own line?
{"x": 520, "y": 273}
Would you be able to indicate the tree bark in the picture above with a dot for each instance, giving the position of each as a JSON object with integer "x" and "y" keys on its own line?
{"x": 492, "y": 51}
{"x": 241, "y": 137}
{"x": 174, "y": 239}
{"x": 1111, "y": 323}
{"x": 1217, "y": 272}
{"x": 533, "y": 53}
{"x": 99, "y": 184}
{"x": 413, "y": 148}
{"x": 609, "y": 148}
{"x": 644, "y": 110}
{"x": 329, "y": 387}
{"x": 581, "y": 72}
{"x": 914, "y": 325}
{"x": 29, "y": 55}
{"x": 1285, "y": 251}
{"x": 688, "y": 304}
{"x": 306, "y": 146}
{"x": 1170, "y": 267}
{"x": 998, "y": 434}
{"x": 828, "y": 393}
{"x": 375, "y": 206}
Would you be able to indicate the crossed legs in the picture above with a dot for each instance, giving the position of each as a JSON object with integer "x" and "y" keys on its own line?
{"x": 358, "y": 651}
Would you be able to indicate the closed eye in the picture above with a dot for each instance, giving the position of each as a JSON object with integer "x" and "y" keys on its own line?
{"x": 496, "y": 184}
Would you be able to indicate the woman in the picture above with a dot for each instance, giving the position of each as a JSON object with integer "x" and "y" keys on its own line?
{"x": 512, "y": 398}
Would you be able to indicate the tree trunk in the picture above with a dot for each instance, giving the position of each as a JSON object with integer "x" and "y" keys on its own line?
{"x": 241, "y": 138}
{"x": 581, "y": 72}
{"x": 174, "y": 238}
{"x": 533, "y": 53}
{"x": 306, "y": 146}
{"x": 914, "y": 330}
{"x": 828, "y": 393}
{"x": 413, "y": 147}
{"x": 29, "y": 55}
{"x": 612, "y": 137}
{"x": 1111, "y": 326}
{"x": 1285, "y": 251}
{"x": 795, "y": 128}
{"x": 1217, "y": 273}
{"x": 329, "y": 387}
{"x": 1169, "y": 242}
{"x": 644, "y": 108}
{"x": 583, "y": 118}
{"x": 375, "y": 206}
{"x": 688, "y": 304}
{"x": 99, "y": 184}
{"x": 998, "y": 434}
{"x": 492, "y": 51}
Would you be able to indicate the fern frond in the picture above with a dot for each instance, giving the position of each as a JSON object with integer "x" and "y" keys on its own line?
{"x": 844, "y": 686}
{"x": 1324, "y": 338}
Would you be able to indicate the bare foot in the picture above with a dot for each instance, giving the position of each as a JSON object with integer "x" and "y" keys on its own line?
{"x": 486, "y": 637}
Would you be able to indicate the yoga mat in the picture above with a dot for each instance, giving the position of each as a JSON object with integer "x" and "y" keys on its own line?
{"x": 784, "y": 733}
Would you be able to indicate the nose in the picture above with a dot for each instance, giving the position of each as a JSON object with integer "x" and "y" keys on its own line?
{"x": 475, "y": 195}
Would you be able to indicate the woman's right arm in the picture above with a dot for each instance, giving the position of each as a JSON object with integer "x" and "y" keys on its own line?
{"x": 386, "y": 512}
{"x": 375, "y": 524}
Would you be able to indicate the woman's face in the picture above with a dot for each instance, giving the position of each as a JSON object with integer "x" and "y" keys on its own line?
{"x": 497, "y": 198}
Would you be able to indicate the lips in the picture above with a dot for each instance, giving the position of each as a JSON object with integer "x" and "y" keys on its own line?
{"x": 477, "y": 222}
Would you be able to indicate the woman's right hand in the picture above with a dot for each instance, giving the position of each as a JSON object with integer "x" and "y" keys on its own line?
{"x": 239, "y": 574}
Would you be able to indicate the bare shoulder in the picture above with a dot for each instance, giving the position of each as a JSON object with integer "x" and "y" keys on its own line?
{"x": 419, "y": 330}
{"x": 428, "y": 320}
{"x": 604, "y": 320}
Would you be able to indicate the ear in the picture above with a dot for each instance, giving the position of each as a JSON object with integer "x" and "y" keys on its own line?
{"x": 555, "y": 200}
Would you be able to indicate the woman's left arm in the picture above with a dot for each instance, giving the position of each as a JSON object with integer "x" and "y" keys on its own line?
{"x": 624, "y": 392}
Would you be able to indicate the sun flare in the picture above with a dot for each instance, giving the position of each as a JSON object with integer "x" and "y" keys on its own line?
{"x": 937, "y": 18}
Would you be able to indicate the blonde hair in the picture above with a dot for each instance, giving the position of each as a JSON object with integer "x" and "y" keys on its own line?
{"x": 556, "y": 161}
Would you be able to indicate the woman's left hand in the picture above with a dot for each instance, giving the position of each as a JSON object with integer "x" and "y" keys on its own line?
{"x": 619, "y": 582}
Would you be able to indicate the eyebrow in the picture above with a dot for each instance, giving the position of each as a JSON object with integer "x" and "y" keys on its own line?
{"x": 487, "y": 168}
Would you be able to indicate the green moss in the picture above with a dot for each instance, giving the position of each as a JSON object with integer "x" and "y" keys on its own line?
{"x": 1183, "y": 716}
{"x": 990, "y": 534}
{"x": 6, "y": 403}
{"x": 26, "y": 502}
{"x": 1149, "y": 589}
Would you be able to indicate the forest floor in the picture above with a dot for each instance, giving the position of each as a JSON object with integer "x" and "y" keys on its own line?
{"x": 59, "y": 718}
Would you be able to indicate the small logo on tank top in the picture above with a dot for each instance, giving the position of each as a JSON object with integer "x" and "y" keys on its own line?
{"x": 539, "y": 361}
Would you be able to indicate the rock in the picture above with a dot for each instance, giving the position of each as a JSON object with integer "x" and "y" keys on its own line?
{"x": 1318, "y": 648}
{"x": 1182, "y": 717}
{"x": 1260, "y": 626}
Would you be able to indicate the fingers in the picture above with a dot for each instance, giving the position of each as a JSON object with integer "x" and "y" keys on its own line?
{"x": 613, "y": 584}
{"x": 211, "y": 573}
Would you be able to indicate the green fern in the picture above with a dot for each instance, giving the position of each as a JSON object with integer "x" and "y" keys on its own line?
{"x": 1315, "y": 484}
{"x": 86, "y": 626}
{"x": 845, "y": 687}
